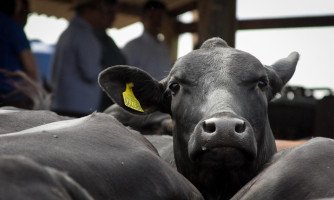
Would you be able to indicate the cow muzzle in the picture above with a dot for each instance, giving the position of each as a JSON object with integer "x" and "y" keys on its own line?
{"x": 222, "y": 139}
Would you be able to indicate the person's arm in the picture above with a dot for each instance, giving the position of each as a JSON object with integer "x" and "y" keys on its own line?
{"x": 22, "y": 47}
{"x": 29, "y": 64}
{"x": 89, "y": 59}
{"x": 130, "y": 54}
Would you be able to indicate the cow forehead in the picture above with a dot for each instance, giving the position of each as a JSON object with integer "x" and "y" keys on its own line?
{"x": 221, "y": 61}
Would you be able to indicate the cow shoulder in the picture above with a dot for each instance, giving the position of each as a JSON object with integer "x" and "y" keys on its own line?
{"x": 304, "y": 172}
{"x": 164, "y": 145}
{"x": 103, "y": 156}
{"x": 13, "y": 120}
{"x": 23, "y": 178}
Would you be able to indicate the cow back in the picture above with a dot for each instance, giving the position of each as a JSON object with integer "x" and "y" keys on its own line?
{"x": 103, "y": 156}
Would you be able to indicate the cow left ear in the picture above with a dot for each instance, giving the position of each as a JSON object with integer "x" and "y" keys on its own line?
{"x": 281, "y": 72}
{"x": 132, "y": 89}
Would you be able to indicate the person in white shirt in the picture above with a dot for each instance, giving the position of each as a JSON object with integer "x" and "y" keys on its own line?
{"x": 148, "y": 51}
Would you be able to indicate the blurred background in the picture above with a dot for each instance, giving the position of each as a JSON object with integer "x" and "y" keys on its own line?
{"x": 268, "y": 29}
{"x": 314, "y": 43}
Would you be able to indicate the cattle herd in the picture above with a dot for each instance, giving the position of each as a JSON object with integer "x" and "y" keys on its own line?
{"x": 221, "y": 147}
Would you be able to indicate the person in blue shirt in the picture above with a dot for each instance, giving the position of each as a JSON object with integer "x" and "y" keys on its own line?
{"x": 111, "y": 54}
{"x": 77, "y": 61}
{"x": 15, "y": 52}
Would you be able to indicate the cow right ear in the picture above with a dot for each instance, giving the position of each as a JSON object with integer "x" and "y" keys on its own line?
{"x": 133, "y": 89}
{"x": 281, "y": 72}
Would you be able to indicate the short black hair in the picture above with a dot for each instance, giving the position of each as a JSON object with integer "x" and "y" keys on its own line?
{"x": 93, "y": 4}
{"x": 112, "y": 1}
{"x": 153, "y": 5}
{"x": 7, "y": 7}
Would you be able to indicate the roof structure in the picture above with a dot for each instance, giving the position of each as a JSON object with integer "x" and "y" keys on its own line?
{"x": 129, "y": 10}
{"x": 215, "y": 18}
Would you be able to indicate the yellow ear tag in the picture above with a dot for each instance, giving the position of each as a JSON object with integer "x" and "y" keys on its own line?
{"x": 130, "y": 100}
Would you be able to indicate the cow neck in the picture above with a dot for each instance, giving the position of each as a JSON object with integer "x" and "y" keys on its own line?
{"x": 221, "y": 184}
{"x": 267, "y": 147}
{"x": 215, "y": 185}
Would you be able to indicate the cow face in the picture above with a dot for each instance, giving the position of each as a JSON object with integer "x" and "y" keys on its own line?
{"x": 217, "y": 97}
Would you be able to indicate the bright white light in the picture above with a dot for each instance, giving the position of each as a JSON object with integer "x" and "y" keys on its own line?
{"x": 124, "y": 35}
{"x": 46, "y": 29}
{"x": 185, "y": 44}
{"x": 247, "y": 9}
{"x": 315, "y": 45}
{"x": 316, "y": 65}
{"x": 186, "y": 17}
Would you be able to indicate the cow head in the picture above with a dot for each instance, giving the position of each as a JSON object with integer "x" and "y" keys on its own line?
{"x": 217, "y": 97}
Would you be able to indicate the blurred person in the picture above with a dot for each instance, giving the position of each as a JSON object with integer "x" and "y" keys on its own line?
{"x": 15, "y": 52}
{"x": 77, "y": 62}
{"x": 148, "y": 51}
{"x": 111, "y": 54}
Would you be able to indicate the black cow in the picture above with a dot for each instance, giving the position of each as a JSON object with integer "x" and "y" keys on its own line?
{"x": 155, "y": 123}
{"x": 22, "y": 178}
{"x": 164, "y": 145}
{"x": 217, "y": 97}
{"x": 13, "y": 119}
{"x": 103, "y": 156}
{"x": 305, "y": 172}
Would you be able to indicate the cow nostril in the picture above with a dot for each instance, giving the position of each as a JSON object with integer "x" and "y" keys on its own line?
{"x": 240, "y": 127}
{"x": 209, "y": 126}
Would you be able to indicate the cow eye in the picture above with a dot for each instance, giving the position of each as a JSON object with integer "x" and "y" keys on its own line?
{"x": 262, "y": 83}
{"x": 174, "y": 88}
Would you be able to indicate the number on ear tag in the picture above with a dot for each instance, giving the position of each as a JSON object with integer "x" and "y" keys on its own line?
{"x": 130, "y": 100}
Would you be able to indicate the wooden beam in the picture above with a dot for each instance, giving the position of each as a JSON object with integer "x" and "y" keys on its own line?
{"x": 185, "y": 8}
{"x": 217, "y": 19}
{"x": 267, "y": 23}
{"x": 129, "y": 9}
{"x": 133, "y": 9}
{"x": 52, "y": 8}
{"x": 171, "y": 36}
{"x": 181, "y": 27}
{"x": 286, "y": 22}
